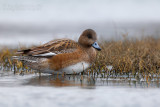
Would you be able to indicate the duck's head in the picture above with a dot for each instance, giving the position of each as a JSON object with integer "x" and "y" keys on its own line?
{"x": 89, "y": 39}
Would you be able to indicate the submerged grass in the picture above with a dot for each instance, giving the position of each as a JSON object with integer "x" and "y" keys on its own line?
{"x": 139, "y": 58}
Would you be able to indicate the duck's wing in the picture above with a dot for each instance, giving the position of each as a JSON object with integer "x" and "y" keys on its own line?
{"x": 52, "y": 48}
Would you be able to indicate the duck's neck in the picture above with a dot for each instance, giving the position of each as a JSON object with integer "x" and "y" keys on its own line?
{"x": 91, "y": 53}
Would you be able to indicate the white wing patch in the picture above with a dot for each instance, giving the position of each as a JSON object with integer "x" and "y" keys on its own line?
{"x": 46, "y": 54}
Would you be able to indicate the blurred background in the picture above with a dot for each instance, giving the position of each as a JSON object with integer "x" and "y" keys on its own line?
{"x": 38, "y": 21}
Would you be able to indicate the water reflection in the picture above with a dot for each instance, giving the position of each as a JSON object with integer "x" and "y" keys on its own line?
{"x": 89, "y": 81}
{"x": 61, "y": 81}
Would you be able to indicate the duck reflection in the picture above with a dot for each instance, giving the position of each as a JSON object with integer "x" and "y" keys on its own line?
{"x": 62, "y": 81}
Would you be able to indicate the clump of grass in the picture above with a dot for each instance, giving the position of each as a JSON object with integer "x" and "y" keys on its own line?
{"x": 139, "y": 57}
{"x": 7, "y": 63}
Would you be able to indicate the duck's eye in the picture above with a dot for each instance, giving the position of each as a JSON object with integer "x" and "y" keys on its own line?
{"x": 89, "y": 36}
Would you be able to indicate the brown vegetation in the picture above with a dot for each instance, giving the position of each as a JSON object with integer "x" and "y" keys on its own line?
{"x": 130, "y": 57}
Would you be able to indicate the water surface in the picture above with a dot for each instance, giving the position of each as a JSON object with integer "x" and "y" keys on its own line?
{"x": 33, "y": 90}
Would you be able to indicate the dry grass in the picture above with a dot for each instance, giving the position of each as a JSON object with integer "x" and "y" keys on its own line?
{"x": 136, "y": 58}
{"x": 8, "y": 64}
{"x": 128, "y": 57}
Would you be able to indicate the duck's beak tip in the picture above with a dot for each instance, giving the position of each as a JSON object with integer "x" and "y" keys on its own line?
{"x": 99, "y": 49}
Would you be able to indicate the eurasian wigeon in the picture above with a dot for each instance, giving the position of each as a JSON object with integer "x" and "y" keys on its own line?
{"x": 63, "y": 55}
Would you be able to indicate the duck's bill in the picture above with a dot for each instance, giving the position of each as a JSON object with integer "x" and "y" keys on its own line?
{"x": 96, "y": 46}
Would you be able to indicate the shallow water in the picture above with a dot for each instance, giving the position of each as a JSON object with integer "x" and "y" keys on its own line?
{"x": 33, "y": 90}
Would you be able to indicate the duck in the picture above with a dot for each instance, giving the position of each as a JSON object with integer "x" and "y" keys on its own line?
{"x": 62, "y": 55}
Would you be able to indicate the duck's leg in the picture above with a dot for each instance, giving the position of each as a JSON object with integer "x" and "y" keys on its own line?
{"x": 39, "y": 72}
